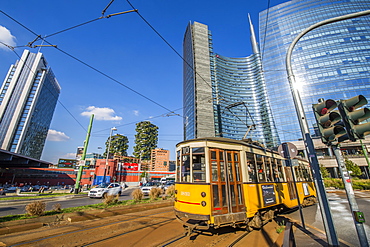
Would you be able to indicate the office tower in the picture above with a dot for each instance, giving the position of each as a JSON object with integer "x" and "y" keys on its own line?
{"x": 28, "y": 97}
{"x": 330, "y": 62}
{"x": 224, "y": 96}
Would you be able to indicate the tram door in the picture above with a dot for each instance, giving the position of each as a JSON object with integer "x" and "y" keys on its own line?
{"x": 226, "y": 182}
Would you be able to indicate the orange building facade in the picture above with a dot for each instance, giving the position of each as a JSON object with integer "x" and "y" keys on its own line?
{"x": 160, "y": 160}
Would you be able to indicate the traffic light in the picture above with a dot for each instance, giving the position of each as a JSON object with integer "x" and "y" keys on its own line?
{"x": 352, "y": 117}
{"x": 327, "y": 120}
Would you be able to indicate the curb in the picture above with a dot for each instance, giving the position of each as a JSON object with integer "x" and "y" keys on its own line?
{"x": 34, "y": 223}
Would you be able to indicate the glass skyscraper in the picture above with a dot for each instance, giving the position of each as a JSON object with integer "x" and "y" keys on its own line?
{"x": 224, "y": 96}
{"x": 330, "y": 62}
{"x": 28, "y": 97}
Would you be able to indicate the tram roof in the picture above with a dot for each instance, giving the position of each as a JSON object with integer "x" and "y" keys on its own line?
{"x": 245, "y": 142}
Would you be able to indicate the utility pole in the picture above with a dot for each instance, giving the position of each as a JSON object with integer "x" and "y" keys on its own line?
{"x": 82, "y": 161}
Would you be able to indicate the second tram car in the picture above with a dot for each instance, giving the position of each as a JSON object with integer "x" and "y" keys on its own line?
{"x": 225, "y": 182}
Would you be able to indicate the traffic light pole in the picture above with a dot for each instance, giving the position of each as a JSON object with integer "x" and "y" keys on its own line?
{"x": 356, "y": 214}
{"x": 323, "y": 201}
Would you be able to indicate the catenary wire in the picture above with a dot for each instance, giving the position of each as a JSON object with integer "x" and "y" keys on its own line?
{"x": 91, "y": 67}
{"x": 172, "y": 48}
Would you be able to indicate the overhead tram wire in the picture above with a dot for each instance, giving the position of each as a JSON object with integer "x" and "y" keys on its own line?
{"x": 178, "y": 54}
{"x": 91, "y": 67}
{"x": 162, "y": 115}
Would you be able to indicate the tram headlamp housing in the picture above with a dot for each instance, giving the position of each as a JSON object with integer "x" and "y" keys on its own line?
{"x": 203, "y": 203}
{"x": 203, "y": 194}
{"x": 175, "y": 191}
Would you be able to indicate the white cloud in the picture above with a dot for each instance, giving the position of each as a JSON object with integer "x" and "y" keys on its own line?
{"x": 6, "y": 37}
{"x": 56, "y": 136}
{"x": 136, "y": 112}
{"x": 69, "y": 156}
{"x": 103, "y": 113}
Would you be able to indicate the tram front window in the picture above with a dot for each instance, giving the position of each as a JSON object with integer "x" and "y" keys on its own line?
{"x": 185, "y": 168}
{"x": 199, "y": 166}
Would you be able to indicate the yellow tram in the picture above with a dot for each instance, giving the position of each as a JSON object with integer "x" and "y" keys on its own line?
{"x": 225, "y": 182}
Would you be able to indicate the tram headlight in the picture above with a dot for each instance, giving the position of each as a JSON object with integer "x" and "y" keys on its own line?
{"x": 203, "y": 194}
{"x": 175, "y": 191}
{"x": 203, "y": 203}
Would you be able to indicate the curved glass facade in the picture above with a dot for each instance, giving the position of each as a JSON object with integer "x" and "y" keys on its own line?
{"x": 226, "y": 96}
{"x": 239, "y": 87}
{"x": 330, "y": 62}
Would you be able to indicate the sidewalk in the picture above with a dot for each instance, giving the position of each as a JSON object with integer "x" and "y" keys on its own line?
{"x": 312, "y": 237}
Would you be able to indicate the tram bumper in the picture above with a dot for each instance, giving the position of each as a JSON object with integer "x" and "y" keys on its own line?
{"x": 193, "y": 221}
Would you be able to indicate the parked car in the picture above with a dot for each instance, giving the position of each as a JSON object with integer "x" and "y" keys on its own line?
{"x": 147, "y": 187}
{"x": 11, "y": 189}
{"x": 102, "y": 190}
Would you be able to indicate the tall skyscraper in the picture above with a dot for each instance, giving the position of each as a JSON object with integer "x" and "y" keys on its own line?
{"x": 224, "y": 96}
{"x": 330, "y": 62}
{"x": 28, "y": 97}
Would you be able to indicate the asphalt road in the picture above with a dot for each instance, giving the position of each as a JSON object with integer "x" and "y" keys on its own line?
{"x": 18, "y": 207}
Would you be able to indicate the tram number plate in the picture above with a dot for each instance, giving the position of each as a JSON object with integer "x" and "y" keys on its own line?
{"x": 185, "y": 193}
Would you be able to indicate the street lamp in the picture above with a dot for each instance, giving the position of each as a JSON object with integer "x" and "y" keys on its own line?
{"x": 106, "y": 160}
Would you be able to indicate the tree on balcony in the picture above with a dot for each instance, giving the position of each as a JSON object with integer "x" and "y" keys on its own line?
{"x": 353, "y": 167}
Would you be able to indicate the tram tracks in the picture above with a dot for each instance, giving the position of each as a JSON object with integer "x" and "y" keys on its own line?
{"x": 150, "y": 228}
{"x": 90, "y": 233}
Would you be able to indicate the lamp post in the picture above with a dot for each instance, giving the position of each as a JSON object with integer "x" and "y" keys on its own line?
{"x": 106, "y": 160}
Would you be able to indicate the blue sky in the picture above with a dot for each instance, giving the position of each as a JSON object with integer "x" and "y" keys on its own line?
{"x": 133, "y": 60}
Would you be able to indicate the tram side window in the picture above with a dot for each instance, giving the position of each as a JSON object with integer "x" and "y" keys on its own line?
{"x": 199, "y": 166}
{"x": 307, "y": 173}
{"x": 298, "y": 173}
{"x": 251, "y": 168}
{"x": 269, "y": 177}
{"x": 178, "y": 163}
{"x": 260, "y": 168}
{"x": 185, "y": 165}
{"x": 277, "y": 170}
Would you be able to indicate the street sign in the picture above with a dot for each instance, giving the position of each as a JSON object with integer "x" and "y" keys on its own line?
{"x": 292, "y": 149}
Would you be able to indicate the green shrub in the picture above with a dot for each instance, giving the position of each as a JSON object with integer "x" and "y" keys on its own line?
{"x": 137, "y": 195}
{"x": 357, "y": 184}
{"x": 281, "y": 227}
{"x": 36, "y": 208}
{"x": 155, "y": 193}
{"x": 110, "y": 199}
{"x": 171, "y": 191}
{"x": 333, "y": 182}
